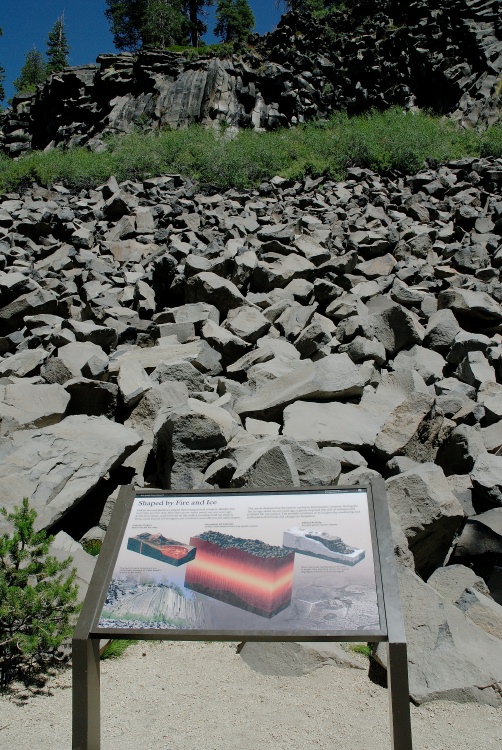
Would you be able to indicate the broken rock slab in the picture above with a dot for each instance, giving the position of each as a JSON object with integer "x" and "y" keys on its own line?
{"x": 449, "y": 657}
{"x": 412, "y": 429}
{"x": 295, "y": 659}
{"x": 333, "y": 377}
{"x": 335, "y": 424}
{"x": 267, "y": 467}
{"x": 23, "y": 405}
{"x": 486, "y": 476}
{"x": 199, "y": 353}
{"x": 57, "y": 466}
{"x": 429, "y": 513}
{"x": 63, "y": 547}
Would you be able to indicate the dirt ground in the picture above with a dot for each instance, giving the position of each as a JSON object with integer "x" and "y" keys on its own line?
{"x": 183, "y": 696}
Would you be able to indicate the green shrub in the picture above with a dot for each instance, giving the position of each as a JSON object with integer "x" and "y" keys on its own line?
{"x": 381, "y": 141}
{"x": 92, "y": 546}
{"x": 491, "y": 142}
{"x": 37, "y": 600}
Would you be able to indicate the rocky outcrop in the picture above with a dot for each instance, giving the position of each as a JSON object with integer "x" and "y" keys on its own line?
{"x": 306, "y": 333}
{"x": 442, "y": 55}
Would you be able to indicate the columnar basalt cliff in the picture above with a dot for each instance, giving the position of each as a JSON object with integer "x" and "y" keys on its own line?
{"x": 305, "y": 333}
{"x": 445, "y": 55}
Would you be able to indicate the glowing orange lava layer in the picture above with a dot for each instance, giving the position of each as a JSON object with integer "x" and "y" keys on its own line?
{"x": 262, "y": 585}
{"x": 161, "y": 548}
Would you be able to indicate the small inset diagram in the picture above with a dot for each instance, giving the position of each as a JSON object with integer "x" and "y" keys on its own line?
{"x": 246, "y": 573}
{"x": 161, "y": 548}
{"x": 321, "y": 544}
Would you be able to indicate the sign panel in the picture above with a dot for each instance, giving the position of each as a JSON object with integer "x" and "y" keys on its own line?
{"x": 295, "y": 563}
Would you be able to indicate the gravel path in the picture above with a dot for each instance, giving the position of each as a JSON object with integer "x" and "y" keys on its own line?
{"x": 183, "y": 696}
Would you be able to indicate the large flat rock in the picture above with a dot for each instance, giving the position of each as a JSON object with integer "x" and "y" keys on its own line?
{"x": 340, "y": 425}
{"x": 199, "y": 353}
{"x": 57, "y": 466}
{"x": 26, "y": 405}
{"x": 449, "y": 657}
{"x": 334, "y": 377}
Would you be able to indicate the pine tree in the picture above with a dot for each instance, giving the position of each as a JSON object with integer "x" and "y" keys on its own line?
{"x": 33, "y": 72}
{"x": 126, "y": 22}
{"x": 136, "y": 23}
{"x": 2, "y": 76}
{"x": 194, "y": 10}
{"x": 164, "y": 23}
{"x": 235, "y": 20}
{"x": 37, "y": 599}
{"x": 57, "y": 47}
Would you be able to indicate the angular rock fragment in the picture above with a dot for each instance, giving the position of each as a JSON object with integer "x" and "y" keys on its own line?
{"x": 133, "y": 383}
{"x": 486, "y": 476}
{"x": 210, "y": 288}
{"x": 340, "y": 425}
{"x": 428, "y": 512}
{"x": 450, "y": 658}
{"x": 57, "y": 466}
{"x": 333, "y": 377}
{"x": 412, "y": 429}
{"x": 23, "y": 405}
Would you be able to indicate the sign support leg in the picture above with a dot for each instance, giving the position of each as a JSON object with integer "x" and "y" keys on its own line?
{"x": 399, "y": 701}
{"x": 86, "y": 694}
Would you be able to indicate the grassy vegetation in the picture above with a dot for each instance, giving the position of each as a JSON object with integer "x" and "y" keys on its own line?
{"x": 382, "y": 141}
{"x": 92, "y": 546}
{"x": 114, "y": 649}
{"x": 366, "y": 649}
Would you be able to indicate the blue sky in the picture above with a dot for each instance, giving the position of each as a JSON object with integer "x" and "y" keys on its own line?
{"x": 26, "y": 23}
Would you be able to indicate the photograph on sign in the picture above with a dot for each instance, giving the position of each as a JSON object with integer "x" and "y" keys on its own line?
{"x": 286, "y": 562}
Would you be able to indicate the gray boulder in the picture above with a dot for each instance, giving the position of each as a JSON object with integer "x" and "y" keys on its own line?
{"x": 429, "y": 513}
{"x": 267, "y": 467}
{"x": 133, "y": 383}
{"x": 486, "y": 476}
{"x": 441, "y": 330}
{"x": 340, "y": 425}
{"x": 210, "y": 288}
{"x": 63, "y": 547}
{"x": 452, "y": 581}
{"x": 23, "y": 405}
{"x": 397, "y": 328}
{"x": 412, "y": 429}
{"x": 25, "y": 362}
{"x": 472, "y": 304}
{"x": 334, "y": 377}
{"x": 449, "y": 657}
{"x": 58, "y": 466}
{"x": 459, "y": 452}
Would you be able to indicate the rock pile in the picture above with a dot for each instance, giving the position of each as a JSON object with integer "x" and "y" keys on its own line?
{"x": 445, "y": 55}
{"x": 300, "y": 334}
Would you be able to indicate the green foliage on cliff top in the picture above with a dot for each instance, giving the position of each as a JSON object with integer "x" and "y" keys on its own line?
{"x": 382, "y": 141}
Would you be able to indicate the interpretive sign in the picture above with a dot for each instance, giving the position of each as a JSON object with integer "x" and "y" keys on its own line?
{"x": 297, "y": 564}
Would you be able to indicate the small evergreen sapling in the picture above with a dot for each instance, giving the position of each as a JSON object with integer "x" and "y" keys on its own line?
{"x": 37, "y": 600}
{"x": 57, "y": 47}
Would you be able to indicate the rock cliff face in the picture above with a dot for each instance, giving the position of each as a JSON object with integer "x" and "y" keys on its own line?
{"x": 445, "y": 55}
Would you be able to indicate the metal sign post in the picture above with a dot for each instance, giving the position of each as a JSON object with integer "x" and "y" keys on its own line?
{"x": 240, "y": 565}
